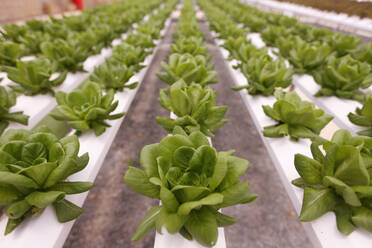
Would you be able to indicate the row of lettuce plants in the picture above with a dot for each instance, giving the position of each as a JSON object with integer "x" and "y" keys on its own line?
{"x": 38, "y": 76}
{"x": 338, "y": 177}
{"x": 192, "y": 180}
{"x": 339, "y": 64}
{"x": 35, "y": 164}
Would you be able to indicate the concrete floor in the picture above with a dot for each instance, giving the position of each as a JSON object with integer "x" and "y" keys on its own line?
{"x": 113, "y": 210}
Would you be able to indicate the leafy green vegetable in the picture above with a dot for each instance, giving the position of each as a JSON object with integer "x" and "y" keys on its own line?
{"x": 7, "y": 100}
{"x": 194, "y": 106}
{"x": 113, "y": 76}
{"x": 34, "y": 77}
{"x": 247, "y": 51}
{"x": 187, "y": 27}
{"x": 189, "y": 68}
{"x": 32, "y": 41}
{"x": 254, "y": 23}
{"x": 34, "y": 166}
{"x": 363, "y": 53}
{"x": 231, "y": 30}
{"x": 193, "y": 181}
{"x": 233, "y": 46}
{"x": 69, "y": 55}
{"x": 363, "y": 117}
{"x": 140, "y": 40}
{"x": 150, "y": 28}
{"x": 192, "y": 45}
{"x": 264, "y": 74}
{"x": 337, "y": 181}
{"x": 270, "y": 35}
{"x": 343, "y": 44}
{"x": 296, "y": 118}
{"x": 10, "y": 52}
{"x": 342, "y": 77}
{"x": 307, "y": 57}
{"x": 86, "y": 108}
{"x": 13, "y": 32}
{"x": 129, "y": 55}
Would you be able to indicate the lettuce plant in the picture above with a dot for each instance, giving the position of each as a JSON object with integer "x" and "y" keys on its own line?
{"x": 36, "y": 25}
{"x": 247, "y": 51}
{"x": 13, "y": 32}
{"x": 231, "y": 30}
{"x": 34, "y": 77}
{"x": 189, "y": 68}
{"x": 255, "y": 24}
{"x": 363, "y": 53}
{"x": 338, "y": 180}
{"x": 104, "y": 34}
{"x": 186, "y": 29}
{"x": 296, "y": 118}
{"x": 193, "y": 181}
{"x": 10, "y": 52}
{"x": 7, "y": 100}
{"x": 195, "y": 107}
{"x": 233, "y": 46}
{"x": 113, "y": 76}
{"x": 69, "y": 55}
{"x": 86, "y": 108}
{"x": 342, "y": 77}
{"x": 140, "y": 40}
{"x": 363, "y": 117}
{"x": 307, "y": 57}
{"x": 150, "y": 28}
{"x": 318, "y": 34}
{"x": 32, "y": 41}
{"x": 129, "y": 55}
{"x": 264, "y": 75}
{"x": 192, "y": 45}
{"x": 34, "y": 166}
{"x": 271, "y": 34}
{"x": 343, "y": 44}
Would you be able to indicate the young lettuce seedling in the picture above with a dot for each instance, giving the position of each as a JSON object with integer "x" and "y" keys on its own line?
{"x": 195, "y": 107}
{"x": 33, "y": 77}
{"x": 189, "y": 68}
{"x": 86, "y": 108}
{"x": 296, "y": 118}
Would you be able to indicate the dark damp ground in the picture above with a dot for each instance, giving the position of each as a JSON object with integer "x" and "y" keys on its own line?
{"x": 113, "y": 210}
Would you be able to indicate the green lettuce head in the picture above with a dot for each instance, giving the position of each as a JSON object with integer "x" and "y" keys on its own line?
{"x": 342, "y": 77}
{"x": 194, "y": 106}
{"x": 264, "y": 75}
{"x": 363, "y": 117}
{"x": 87, "y": 108}
{"x": 338, "y": 180}
{"x": 193, "y": 182}
{"x": 189, "y": 68}
{"x": 296, "y": 118}
{"x": 34, "y": 166}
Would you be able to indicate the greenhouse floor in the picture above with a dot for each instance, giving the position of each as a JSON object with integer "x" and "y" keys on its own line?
{"x": 109, "y": 222}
